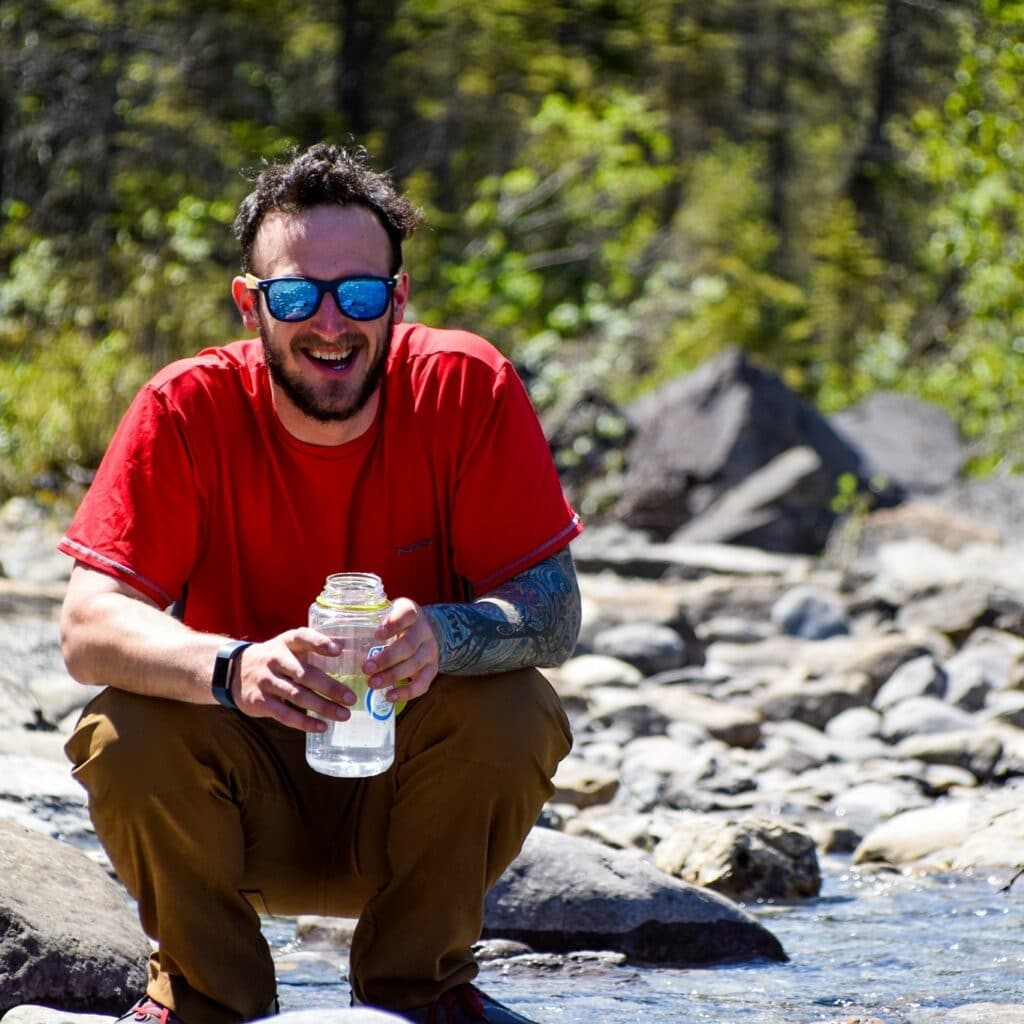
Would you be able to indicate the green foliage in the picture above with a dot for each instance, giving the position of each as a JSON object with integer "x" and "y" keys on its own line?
{"x": 613, "y": 192}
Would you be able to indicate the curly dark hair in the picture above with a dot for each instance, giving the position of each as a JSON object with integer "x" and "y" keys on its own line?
{"x": 320, "y": 175}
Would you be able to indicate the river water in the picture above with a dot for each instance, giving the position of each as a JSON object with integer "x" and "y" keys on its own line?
{"x": 886, "y": 945}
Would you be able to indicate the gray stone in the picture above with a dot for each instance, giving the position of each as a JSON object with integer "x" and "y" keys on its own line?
{"x": 565, "y": 893}
{"x": 916, "y": 834}
{"x": 752, "y": 504}
{"x": 855, "y": 724}
{"x": 582, "y": 784}
{"x": 701, "y": 435}
{"x": 815, "y": 702}
{"x": 911, "y": 443}
{"x": 647, "y": 646}
{"x": 923, "y": 715}
{"x": 811, "y": 612}
{"x": 590, "y": 670}
{"x": 977, "y": 750}
{"x": 736, "y": 726}
{"x": 954, "y": 610}
{"x": 82, "y": 954}
{"x": 919, "y": 677}
{"x": 749, "y": 859}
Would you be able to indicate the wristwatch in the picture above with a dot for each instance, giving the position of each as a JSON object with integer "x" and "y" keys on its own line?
{"x": 223, "y": 668}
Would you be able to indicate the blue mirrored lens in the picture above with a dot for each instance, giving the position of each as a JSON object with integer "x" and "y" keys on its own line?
{"x": 292, "y": 299}
{"x": 298, "y": 298}
{"x": 363, "y": 299}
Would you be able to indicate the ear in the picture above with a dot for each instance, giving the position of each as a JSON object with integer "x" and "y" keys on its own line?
{"x": 245, "y": 301}
{"x": 399, "y": 298}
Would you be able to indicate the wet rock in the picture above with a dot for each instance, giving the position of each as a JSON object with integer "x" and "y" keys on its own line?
{"x": 83, "y": 954}
{"x": 749, "y": 859}
{"x": 564, "y": 893}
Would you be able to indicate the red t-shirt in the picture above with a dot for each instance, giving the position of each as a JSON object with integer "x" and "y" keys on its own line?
{"x": 449, "y": 493}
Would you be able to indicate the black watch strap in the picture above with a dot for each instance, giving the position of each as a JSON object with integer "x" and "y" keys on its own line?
{"x": 222, "y": 669}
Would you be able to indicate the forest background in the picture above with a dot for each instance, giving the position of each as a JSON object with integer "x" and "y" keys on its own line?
{"x": 613, "y": 192}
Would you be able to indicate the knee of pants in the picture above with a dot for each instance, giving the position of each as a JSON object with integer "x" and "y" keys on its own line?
{"x": 511, "y": 721}
{"x": 133, "y": 743}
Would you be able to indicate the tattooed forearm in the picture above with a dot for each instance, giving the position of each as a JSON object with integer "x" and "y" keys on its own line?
{"x": 533, "y": 619}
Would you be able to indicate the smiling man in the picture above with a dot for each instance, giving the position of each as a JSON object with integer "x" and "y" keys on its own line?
{"x": 342, "y": 439}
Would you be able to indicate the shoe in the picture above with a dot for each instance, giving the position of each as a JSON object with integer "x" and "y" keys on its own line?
{"x": 149, "y": 1011}
{"x": 463, "y": 1005}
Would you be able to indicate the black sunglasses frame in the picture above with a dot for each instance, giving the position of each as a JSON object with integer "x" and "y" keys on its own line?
{"x": 254, "y": 283}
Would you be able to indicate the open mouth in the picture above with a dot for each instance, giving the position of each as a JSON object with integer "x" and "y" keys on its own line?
{"x": 332, "y": 358}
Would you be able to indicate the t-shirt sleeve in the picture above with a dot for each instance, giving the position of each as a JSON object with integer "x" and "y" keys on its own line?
{"x": 509, "y": 511}
{"x": 140, "y": 519}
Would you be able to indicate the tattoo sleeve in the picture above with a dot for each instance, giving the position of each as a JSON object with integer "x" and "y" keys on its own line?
{"x": 530, "y": 620}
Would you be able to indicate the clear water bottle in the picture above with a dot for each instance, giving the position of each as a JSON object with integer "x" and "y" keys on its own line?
{"x": 350, "y": 608}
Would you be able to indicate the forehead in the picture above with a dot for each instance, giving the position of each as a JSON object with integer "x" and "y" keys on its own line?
{"x": 323, "y": 241}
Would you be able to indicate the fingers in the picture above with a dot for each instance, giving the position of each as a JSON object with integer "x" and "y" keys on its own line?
{"x": 407, "y": 666}
{"x": 276, "y": 680}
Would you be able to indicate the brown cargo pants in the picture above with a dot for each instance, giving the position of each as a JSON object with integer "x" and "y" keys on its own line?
{"x": 211, "y": 818}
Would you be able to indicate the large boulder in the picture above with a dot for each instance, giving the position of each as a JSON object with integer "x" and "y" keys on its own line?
{"x": 564, "y": 893}
{"x": 705, "y": 434}
{"x": 911, "y": 443}
{"x": 83, "y": 954}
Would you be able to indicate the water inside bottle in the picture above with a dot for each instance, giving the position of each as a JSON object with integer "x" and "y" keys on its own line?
{"x": 365, "y": 744}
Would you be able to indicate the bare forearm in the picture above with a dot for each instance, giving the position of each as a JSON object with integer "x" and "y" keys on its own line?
{"x": 532, "y": 620}
{"x": 112, "y": 639}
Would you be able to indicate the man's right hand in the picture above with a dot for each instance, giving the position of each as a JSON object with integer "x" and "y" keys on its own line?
{"x": 275, "y": 680}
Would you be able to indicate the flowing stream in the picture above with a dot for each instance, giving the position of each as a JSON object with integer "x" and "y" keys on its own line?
{"x": 895, "y": 947}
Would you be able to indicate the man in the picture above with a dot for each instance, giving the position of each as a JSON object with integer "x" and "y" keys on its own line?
{"x": 341, "y": 439}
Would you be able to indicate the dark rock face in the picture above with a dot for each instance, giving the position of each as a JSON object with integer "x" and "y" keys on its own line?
{"x": 704, "y": 434}
{"x": 68, "y": 936}
{"x": 564, "y": 893}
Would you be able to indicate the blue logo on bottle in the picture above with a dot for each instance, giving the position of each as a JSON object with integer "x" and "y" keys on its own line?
{"x": 379, "y": 707}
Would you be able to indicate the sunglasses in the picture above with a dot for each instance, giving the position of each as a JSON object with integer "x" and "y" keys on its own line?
{"x": 298, "y": 298}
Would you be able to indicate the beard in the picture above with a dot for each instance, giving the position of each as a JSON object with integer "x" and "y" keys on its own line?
{"x": 324, "y": 401}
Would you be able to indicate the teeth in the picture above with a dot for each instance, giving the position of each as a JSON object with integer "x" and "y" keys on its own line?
{"x": 333, "y": 355}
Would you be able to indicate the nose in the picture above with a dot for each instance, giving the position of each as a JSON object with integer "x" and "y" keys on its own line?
{"x": 328, "y": 320}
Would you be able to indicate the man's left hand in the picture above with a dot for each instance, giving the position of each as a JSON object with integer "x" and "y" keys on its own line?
{"x": 408, "y": 665}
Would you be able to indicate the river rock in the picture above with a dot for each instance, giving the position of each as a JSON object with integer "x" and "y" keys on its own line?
{"x": 583, "y": 784}
{"x": 587, "y": 671}
{"x": 923, "y": 715}
{"x": 919, "y": 677}
{"x": 914, "y": 835}
{"x": 83, "y": 954}
{"x": 564, "y": 893}
{"x": 752, "y": 858}
{"x": 977, "y": 750}
{"x": 815, "y": 702}
{"x": 700, "y": 435}
{"x": 911, "y": 443}
{"x": 649, "y": 647}
{"x": 811, "y": 612}
{"x": 736, "y": 726}
{"x": 321, "y": 1015}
